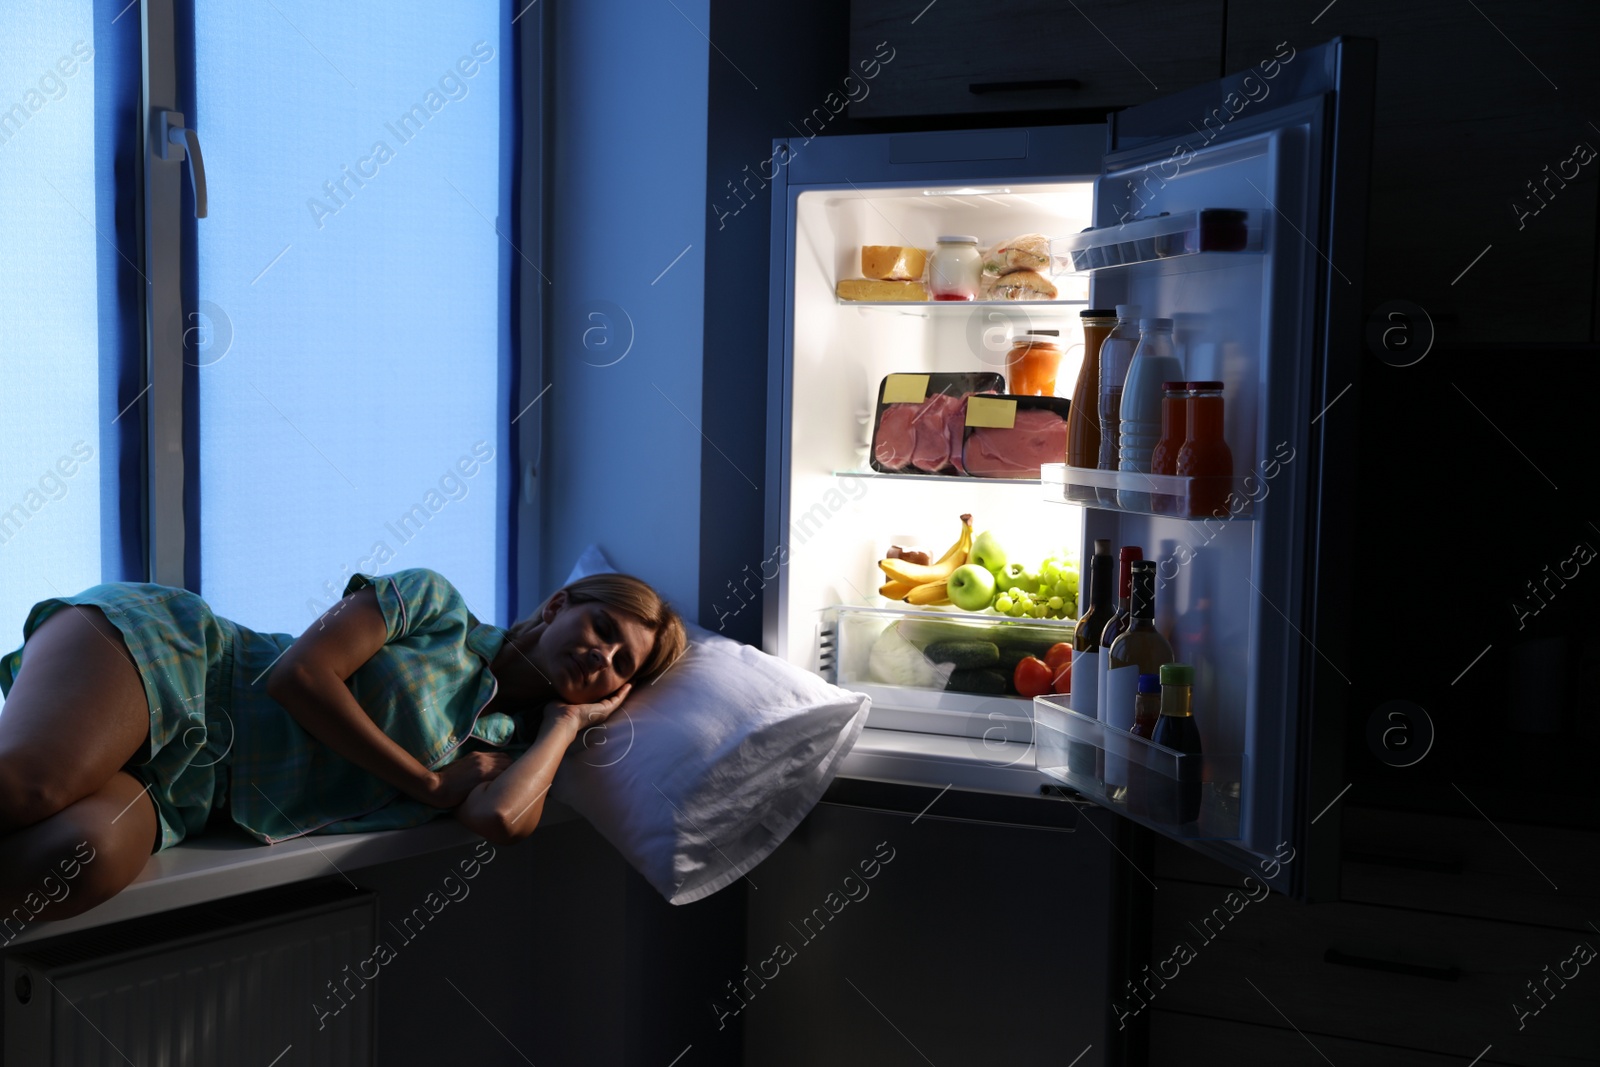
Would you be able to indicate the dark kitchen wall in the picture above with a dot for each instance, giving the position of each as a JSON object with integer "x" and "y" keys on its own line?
{"x": 771, "y": 66}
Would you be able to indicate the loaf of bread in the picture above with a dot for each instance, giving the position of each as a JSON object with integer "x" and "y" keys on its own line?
{"x": 878, "y": 289}
{"x": 894, "y": 262}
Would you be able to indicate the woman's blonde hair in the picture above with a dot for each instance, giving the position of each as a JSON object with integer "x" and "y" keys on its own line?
{"x": 624, "y": 592}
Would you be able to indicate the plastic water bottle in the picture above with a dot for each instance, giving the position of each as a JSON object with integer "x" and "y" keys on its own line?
{"x": 1116, "y": 352}
{"x": 1153, "y": 363}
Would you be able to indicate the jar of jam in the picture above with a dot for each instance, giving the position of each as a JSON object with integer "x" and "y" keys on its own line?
{"x": 954, "y": 270}
{"x": 1032, "y": 363}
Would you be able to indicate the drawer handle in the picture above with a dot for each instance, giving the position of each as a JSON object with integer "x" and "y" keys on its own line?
{"x": 1407, "y": 862}
{"x": 1024, "y": 85}
{"x": 1416, "y": 970}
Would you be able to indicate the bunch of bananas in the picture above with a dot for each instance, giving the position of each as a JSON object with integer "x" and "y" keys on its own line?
{"x": 926, "y": 583}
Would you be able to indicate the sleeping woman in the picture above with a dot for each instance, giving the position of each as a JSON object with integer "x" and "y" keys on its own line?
{"x": 135, "y": 717}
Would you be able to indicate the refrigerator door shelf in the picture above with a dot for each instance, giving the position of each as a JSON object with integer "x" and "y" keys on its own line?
{"x": 1209, "y": 499}
{"x": 1167, "y": 236}
{"x": 1154, "y": 783}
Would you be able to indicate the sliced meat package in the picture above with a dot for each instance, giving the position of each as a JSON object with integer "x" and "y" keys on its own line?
{"x": 920, "y": 427}
{"x": 1011, "y": 436}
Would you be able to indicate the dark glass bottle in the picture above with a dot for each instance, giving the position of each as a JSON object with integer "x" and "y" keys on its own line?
{"x": 1139, "y": 649}
{"x": 1086, "y": 638}
{"x": 1118, "y": 620}
{"x": 1146, "y": 712}
{"x": 1085, "y": 643}
{"x": 1177, "y": 730}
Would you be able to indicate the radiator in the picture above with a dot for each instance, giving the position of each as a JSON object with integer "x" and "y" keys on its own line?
{"x": 243, "y": 980}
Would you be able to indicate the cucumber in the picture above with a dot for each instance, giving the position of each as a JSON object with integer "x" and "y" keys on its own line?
{"x": 964, "y": 655}
{"x": 985, "y": 680}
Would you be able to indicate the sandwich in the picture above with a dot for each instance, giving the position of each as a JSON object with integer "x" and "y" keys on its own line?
{"x": 1022, "y": 285}
{"x": 1030, "y": 251}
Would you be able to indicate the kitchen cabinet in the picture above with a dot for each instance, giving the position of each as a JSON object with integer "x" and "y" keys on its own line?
{"x": 976, "y": 942}
{"x": 1442, "y": 923}
{"x": 1478, "y": 117}
{"x": 1028, "y": 55}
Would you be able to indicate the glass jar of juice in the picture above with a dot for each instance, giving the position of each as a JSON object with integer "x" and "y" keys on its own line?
{"x": 955, "y": 268}
{"x": 1174, "y": 431}
{"x": 1032, "y": 363}
{"x": 1205, "y": 456}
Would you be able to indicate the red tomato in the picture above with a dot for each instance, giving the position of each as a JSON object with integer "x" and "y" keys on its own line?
{"x": 1032, "y": 677}
{"x": 1062, "y": 682}
{"x": 1059, "y": 660}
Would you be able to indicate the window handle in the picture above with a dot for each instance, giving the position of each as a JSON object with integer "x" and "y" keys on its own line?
{"x": 176, "y": 140}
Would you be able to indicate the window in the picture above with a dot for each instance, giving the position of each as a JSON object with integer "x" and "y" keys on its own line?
{"x": 70, "y": 353}
{"x": 314, "y": 379}
{"x": 352, "y": 302}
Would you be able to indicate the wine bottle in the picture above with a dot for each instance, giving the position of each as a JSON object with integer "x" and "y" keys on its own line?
{"x": 1086, "y": 647}
{"x": 1139, "y": 649}
{"x": 1115, "y": 623}
{"x": 1178, "y": 731}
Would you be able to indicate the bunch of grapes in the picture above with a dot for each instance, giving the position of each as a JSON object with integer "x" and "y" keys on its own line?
{"x": 1049, "y": 593}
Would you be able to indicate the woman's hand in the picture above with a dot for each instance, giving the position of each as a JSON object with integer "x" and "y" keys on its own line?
{"x": 457, "y": 779}
{"x": 583, "y": 716}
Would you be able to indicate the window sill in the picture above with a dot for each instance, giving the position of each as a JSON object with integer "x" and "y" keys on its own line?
{"x": 227, "y": 862}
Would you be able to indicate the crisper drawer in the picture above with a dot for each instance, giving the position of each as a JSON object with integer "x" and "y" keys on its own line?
{"x": 1185, "y": 795}
{"x": 942, "y": 672}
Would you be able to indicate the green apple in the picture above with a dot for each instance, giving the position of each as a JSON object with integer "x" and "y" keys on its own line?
{"x": 987, "y": 553}
{"x": 970, "y": 587}
{"x": 1017, "y": 574}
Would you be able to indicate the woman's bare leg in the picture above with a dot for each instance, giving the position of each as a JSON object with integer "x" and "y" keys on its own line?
{"x": 75, "y": 717}
{"x": 77, "y": 858}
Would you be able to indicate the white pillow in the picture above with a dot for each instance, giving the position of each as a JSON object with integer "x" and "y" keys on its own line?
{"x": 703, "y": 772}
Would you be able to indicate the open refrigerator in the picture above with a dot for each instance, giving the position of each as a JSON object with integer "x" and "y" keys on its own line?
{"x": 1272, "y": 312}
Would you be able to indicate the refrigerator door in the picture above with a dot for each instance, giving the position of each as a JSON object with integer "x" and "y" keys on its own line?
{"x": 1271, "y": 167}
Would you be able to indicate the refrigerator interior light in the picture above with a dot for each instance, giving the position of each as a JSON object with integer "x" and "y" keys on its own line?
{"x": 963, "y": 191}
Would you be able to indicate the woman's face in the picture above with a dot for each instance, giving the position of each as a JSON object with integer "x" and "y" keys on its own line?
{"x": 588, "y": 650}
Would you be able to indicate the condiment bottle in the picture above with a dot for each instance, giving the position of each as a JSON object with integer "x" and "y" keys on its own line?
{"x": 1205, "y": 455}
{"x": 1116, "y": 352}
{"x": 954, "y": 269}
{"x": 1032, "y": 363}
{"x": 1174, "y": 423}
{"x": 1146, "y": 711}
{"x": 1083, "y": 416}
{"x": 1178, "y": 731}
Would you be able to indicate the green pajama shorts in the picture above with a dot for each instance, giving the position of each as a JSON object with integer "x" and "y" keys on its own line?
{"x": 184, "y": 654}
